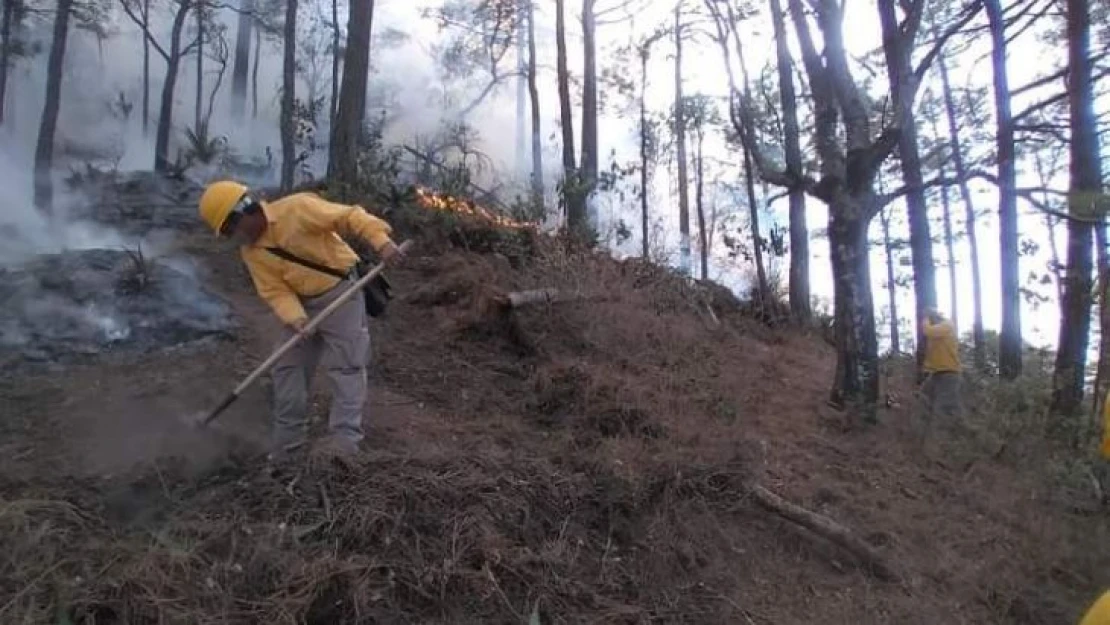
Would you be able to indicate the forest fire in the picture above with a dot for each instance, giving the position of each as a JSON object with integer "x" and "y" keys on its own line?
{"x": 447, "y": 203}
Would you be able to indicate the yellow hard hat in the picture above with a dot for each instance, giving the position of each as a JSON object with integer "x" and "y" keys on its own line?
{"x": 1099, "y": 612}
{"x": 219, "y": 200}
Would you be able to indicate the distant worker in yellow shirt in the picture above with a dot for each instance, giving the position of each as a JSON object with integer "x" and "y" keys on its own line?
{"x": 941, "y": 388}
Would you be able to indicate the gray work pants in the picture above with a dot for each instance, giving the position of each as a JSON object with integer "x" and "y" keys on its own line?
{"x": 942, "y": 394}
{"x": 342, "y": 344}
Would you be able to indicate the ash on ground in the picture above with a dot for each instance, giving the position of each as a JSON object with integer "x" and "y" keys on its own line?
{"x": 61, "y": 307}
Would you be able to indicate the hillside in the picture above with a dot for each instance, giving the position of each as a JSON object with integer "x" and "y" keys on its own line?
{"x": 604, "y": 457}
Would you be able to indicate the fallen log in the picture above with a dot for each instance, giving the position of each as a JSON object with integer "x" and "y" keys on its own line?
{"x": 826, "y": 528}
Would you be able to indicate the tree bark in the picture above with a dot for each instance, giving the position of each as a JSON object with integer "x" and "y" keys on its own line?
{"x": 799, "y": 233}
{"x": 891, "y": 283}
{"x": 827, "y": 529}
{"x": 44, "y": 150}
{"x": 254, "y": 71}
{"x": 146, "y": 68}
{"x": 898, "y": 52}
{"x": 169, "y": 85}
{"x": 199, "y": 104}
{"x": 645, "y": 178}
{"x": 347, "y": 131}
{"x": 1010, "y": 340}
{"x": 950, "y": 252}
{"x": 334, "y": 63}
{"x": 764, "y": 289}
{"x": 978, "y": 332}
{"x": 1102, "y": 373}
{"x": 521, "y": 84}
{"x": 1085, "y": 187}
{"x": 241, "y": 69}
{"x": 699, "y": 200}
{"x": 5, "y": 51}
{"x": 534, "y": 98}
{"x": 857, "y": 363}
{"x": 288, "y": 96}
{"x": 575, "y": 202}
{"x": 589, "y": 101}
{"x": 680, "y": 145}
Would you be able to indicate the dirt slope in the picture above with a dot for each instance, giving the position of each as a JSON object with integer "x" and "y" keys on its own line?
{"x": 583, "y": 461}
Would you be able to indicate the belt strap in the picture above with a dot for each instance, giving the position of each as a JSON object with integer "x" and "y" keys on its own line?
{"x": 283, "y": 254}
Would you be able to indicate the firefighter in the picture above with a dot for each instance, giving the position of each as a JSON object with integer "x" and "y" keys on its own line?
{"x": 280, "y": 241}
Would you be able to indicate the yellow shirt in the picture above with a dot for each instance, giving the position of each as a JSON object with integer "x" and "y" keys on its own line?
{"x": 308, "y": 226}
{"x": 1099, "y": 612}
{"x": 942, "y": 352}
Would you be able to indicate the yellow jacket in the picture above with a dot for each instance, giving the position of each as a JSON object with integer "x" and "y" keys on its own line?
{"x": 1099, "y": 612}
{"x": 942, "y": 351}
{"x": 309, "y": 227}
{"x": 1106, "y": 429}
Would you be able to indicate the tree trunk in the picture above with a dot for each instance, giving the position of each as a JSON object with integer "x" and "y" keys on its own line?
{"x": 1009, "y": 349}
{"x": 146, "y": 68}
{"x": 44, "y": 150}
{"x": 288, "y": 96}
{"x": 589, "y": 101}
{"x": 680, "y": 144}
{"x": 537, "y": 122}
{"x": 521, "y": 85}
{"x": 347, "y": 132}
{"x": 5, "y": 51}
{"x": 1102, "y": 373}
{"x": 799, "y": 233}
{"x": 950, "y": 252}
{"x": 1085, "y": 187}
{"x": 334, "y": 63}
{"x": 699, "y": 201}
{"x": 757, "y": 240}
{"x": 241, "y": 68}
{"x": 921, "y": 239}
{"x": 645, "y": 181}
{"x": 898, "y": 49}
{"x": 254, "y": 71}
{"x": 199, "y": 105}
{"x": 891, "y": 283}
{"x": 857, "y": 379}
{"x": 165, "y": 113}
{"x": 977, "y": 330}
{"x": 575, "y": 203}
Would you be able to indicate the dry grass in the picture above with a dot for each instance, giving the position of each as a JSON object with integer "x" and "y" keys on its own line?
{"x": 582, "y": 461}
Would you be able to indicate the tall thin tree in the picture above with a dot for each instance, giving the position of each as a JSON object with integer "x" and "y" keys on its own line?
{"x": 792, "y": 147}
{"x": 572, "y": 196}
{"x": 288, "y": 96}
{"x": 1010, "y": 341}
{"x": 978, "y": 333}
{"x": 348, "y": 131}
{"x": 680, "y": 148}
{"x": 1085, "y": 190}
{"x": 534, "y": 98}
{"x": 44, "y": 150}
{"x": 241, "y": 68}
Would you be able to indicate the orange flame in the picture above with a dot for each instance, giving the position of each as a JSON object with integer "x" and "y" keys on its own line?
{"x": 446, "y": 203}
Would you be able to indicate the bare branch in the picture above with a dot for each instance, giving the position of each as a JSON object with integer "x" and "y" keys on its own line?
{"x": 968, "y": 14}
{"x": 144, "y": 25}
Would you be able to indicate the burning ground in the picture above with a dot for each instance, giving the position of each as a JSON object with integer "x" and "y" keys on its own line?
{"x": 552, "y": 435}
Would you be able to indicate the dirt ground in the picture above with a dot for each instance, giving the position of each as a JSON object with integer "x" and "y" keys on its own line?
{"x": 584, "y": 461}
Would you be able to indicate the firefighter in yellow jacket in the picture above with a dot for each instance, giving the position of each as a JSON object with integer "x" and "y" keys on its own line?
{"x": 308, "y": 228}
